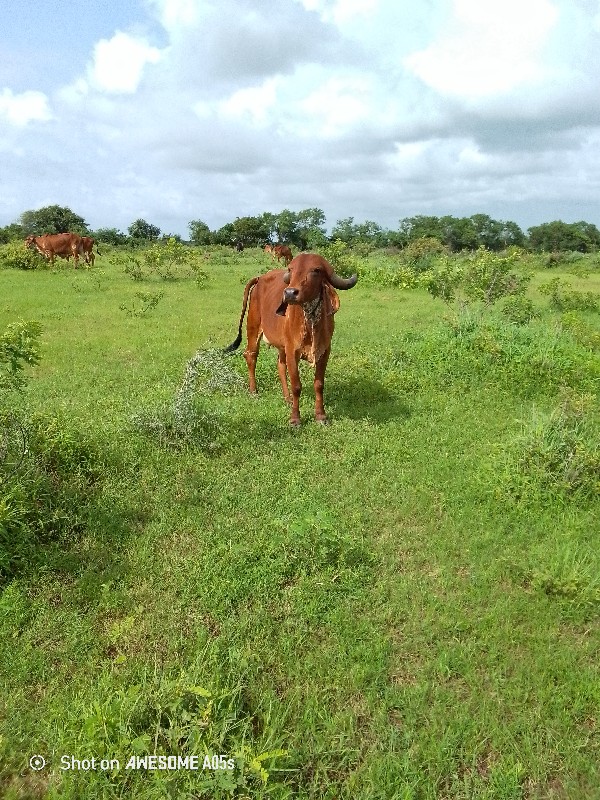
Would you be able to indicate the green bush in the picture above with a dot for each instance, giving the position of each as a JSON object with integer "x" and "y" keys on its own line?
{"x": 48, "y": 498}
{"x": 15, "y": 255}
{"x": 519, "y": 310}
{"x": 19, "y": 345}
{"x": 528, "y": 361}
{"x": 483, "y": 278}
{"x": 563, "y": 299}
{"x": 559, "y": 453}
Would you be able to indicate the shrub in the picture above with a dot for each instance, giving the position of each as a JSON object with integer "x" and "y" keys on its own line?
{"x": 189, "y": 420}
{"x": 342, "y": 259}
{"x": 484, "y": 278}
{"x": 563, "y": 299}
{"x": 583, "y": 333}
{"x": 519, "y": 310}
{"x": 19, "y": 345}
{"x": 16, "y": 255}
{"x": 420, "y": 254}
{"x": 145, "y": 303}
{"x": 559, "y": 454}
{"x": 48, "y": 497}
{"x": 528, "y": 361}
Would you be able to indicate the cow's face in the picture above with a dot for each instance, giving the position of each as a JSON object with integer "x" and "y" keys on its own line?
{"x": 304, "y": 283}
{"x": 30, "y": 241}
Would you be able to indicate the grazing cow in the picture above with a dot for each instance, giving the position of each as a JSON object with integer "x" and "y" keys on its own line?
{"x": 293, "y": 310}
{"x": 269, "y": 249}
{"x": 87, "y": 250}
{"x": 282, "y": 251}
{"x": 239, "y": 246}
{"x": 63, "y": 245}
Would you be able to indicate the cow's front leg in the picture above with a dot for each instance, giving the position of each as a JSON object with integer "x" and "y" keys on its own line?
{"x": 282, "y": 369}
{"x": 320, "y": 367}
{"x": 292, "y": 366}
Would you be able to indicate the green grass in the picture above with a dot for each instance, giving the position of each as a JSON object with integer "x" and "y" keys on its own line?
{"x": 404, "y": 604}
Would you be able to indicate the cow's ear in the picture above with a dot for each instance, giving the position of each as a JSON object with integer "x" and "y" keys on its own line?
{"x": 282, "y": 309}
{"x": 331, "y": 300}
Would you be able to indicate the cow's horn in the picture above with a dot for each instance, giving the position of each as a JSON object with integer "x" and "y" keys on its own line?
{"x": 342, "y": 283}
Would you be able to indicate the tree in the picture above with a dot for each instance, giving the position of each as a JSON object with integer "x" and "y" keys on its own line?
{"x": 458, "y": 233}
{"x": 560, "y": 236}
{"x": 311, "y": 228}
{"x": 250, "y": 231}
{"x": 295, "y": 227}
{"x": 140, "y": 229}
{"x": 420, "y": 227}
{"x": 225, "y": 235}
{"x": 199, "y": 232}
{"x": 512, "y": 234}
{"x": 52, "y": 219}
{"x": 11, "y": 233}
{"x": 110, "y": 236}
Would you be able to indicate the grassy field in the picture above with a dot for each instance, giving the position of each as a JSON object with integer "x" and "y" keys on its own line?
{"x": 402, "y": 604}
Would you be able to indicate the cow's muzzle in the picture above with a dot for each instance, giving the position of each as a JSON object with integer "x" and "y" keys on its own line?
{"x": 290, "y": 295}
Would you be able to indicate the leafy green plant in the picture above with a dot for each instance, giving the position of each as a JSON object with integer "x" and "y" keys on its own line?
{"x": 147, "y": 303}
{"x": 15, "y": 255}
{"x": 342, "y": 259}
{"x": 483, "y": 278}
{"x": 420, "y": 254}
{"x": 166, "y": 258}
{"x": 190, "y": 419}
{"x": 562, "y": 298}
{"x": 47, "y": 499}
{"x": 19, "y": 345}
{"x": 581, "y": 331}
{"x": 560, "y": 453}
{"x": 519, "y": 309}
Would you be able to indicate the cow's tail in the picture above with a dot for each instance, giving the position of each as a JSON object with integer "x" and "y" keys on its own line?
{"x": 98, "y": 249}
{"x": 234, "y": 345}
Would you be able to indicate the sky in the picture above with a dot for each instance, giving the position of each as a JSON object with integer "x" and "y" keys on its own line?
{"x": 180, "y": 110}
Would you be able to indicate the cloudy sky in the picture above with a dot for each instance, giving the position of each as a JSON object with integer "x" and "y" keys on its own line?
{"x": 178, "y": 110}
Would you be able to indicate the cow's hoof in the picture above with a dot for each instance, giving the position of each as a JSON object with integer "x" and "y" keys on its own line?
{"x": 323, "y": 421}
{"x": 294, "y": 423}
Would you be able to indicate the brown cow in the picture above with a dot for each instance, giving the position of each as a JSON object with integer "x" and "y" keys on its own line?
{"x": 269, "y": 249}
{"x": 293, "y": 310}
{"x": 63, "y": 245}
{"x": 282, "y": 251}
{"x": 87, "y": 250}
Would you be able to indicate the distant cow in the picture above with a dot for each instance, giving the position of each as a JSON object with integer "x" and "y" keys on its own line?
{"x": 239, "y": 246}
{"x": 279, "y": 252}
{"x": 293, "y": 310}
{"x": 282, "y": 252}
{"x": 87, "y": 250}
{"x": 51, "y": 245}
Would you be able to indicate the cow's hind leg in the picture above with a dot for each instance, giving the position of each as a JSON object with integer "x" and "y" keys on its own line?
{"x": 251, "y": 354}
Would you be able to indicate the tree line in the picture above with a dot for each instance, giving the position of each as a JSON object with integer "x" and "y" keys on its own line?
{"x": 306, "y": 230}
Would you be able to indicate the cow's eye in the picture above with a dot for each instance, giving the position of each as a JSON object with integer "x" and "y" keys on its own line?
{"x": 315, "y": 271}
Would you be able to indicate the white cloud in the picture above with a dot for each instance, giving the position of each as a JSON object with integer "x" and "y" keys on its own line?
{"x": 340, "y": 11}
{"x": 337, "y": 104}
{"x": 487, "y": 48}
{"x": 254, "y": 103}
{"x": 119, "y": 63}
{"x": 20, "y": 109}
